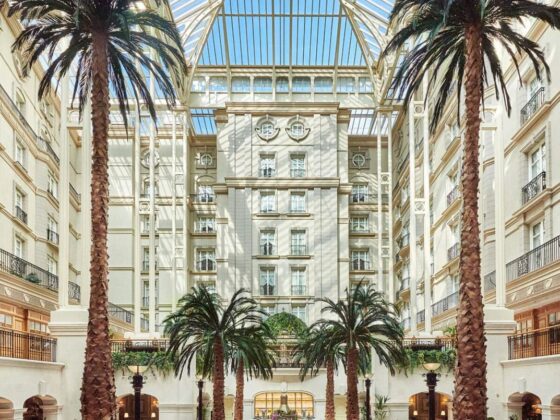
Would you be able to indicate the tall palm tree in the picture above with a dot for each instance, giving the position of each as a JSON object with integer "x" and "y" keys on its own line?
{"x": 250, "y": 356}
{"x": 459, "y": 40}
{"x": 106, "y": 41}
{"x": 361, "y": 323}
{"x": 315, "y": 351}
{"x": 206, "y": 328}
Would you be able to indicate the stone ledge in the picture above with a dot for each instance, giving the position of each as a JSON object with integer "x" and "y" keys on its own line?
{"x": 531, "y": 361}
{"x": 31, "y": 364}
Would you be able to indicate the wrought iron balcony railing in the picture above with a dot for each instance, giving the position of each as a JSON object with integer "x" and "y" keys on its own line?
{"x": 203, "y": 198}
{"x": 206, "y": 265}
{"x": 533, "y": 188}
{"x": 28, "y": 346}
{"x": 74, "y": 292}
{"x": 122, "y": 346}
{"x": 490, "y": 281}
{"x": 453, "y": 195}
{"x": 532, "y": 105}
{"x": 539, "y": 257}
{"x": 52, "y": 236}
{"x": 267, "y": 172}
{"x": 542, "y": 342}
{"x": 115, "y": 311}
{"x": 445, "y": 304}
{"x": 299, "y": 290}
{"x": 21, "y": 214}
{"x": 9, "y": 263}
{"x": 46, "y": 147}
{"x": 357, "y": 198}
{"x": 453, "y": 252}
{"x": 268, "y": 290}
{"x": 360, "y": 265}
{"x": 268, "y": 249}
{"x": 298, "y": 250}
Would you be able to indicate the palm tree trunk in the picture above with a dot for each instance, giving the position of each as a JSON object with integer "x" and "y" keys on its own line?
{"x": 352, "y": 406}
{"x": 239, "y": 389}
{"x": 470, "y": 372}
{"x": 329, "y": 393}
{"x": 218, "y": 379}
{"x": 98, "y": 383}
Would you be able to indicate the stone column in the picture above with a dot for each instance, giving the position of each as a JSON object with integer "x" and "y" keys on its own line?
{"x": 550, "y": 412}
{"x": 412, "y": 222}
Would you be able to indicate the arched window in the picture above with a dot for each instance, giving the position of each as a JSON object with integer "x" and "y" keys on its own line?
{"x": 288, "y": 403}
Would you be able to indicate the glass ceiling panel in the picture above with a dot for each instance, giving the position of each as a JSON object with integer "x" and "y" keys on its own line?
{"x": 203, "y": 121}
{"x": 281, "y": 32}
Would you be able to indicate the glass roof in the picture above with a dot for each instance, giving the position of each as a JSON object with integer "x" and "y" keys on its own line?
{"x": 341, "y": 33}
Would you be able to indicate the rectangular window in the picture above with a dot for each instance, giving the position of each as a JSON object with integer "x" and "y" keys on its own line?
{"x": 360, "y": 260}
{"x": 554, "y": 325}
{"x": 37, "y": 327}
{"x": 323, "y": 85}
{"x": 52, "y": 185}
{"x": 537, "y": 234}
{"x": 19, "y": 199}
{"x": 359, "y": 224}
{"x": 345, "y": 85}
{"x": 205, "y": 224}
{"x": 6, "y": 320}
{"x": 301, "y": 85}
{"x": 218, "y": 84}
{"x": 263, "y": 85}
{"x": 297, "y": 165}
{"x": 452, "y": 284}
{"x": 298, "y": 242}
{"x": 282, "y": 85}
{"x": 19, "y": 247}
{"x": 360, "y": 193}
{"x": 206, "y": 260}
{"x": 146, "y": 293}
{"x": 268, "y": 242}
{"x": 267, "y": 281}
{"x": 300, "y": 312}
{"x": 269, "y": 310}
{"x": 205, "y": 194}
{"x": 52, "y": 230}
{"x": 198, "y": 85}
{"x": 365, "y": 85}
{"x": 537, "y": 163}
{"x": 20, "y": 153}
{"x": 299, "y": 281}
{"x": 268, "y": 202}
{"x": 240, "y": 85}
{"x": 52, "y": 265}
{"x": 297, "y": 202}
{"x": 267, "y": 166}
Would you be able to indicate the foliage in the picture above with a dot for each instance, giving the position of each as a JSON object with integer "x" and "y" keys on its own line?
{"x": 158, "y": 362}
{"x": 416, "y": 358}
{"x": 33, "y": 278}
{"x": 380, "y": 407}
{"x": 284, "y": 323}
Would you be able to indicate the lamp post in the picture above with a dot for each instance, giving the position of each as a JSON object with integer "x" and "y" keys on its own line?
{"x": 137, "y": 384}
{"x": 199, "y": 408}
{"x": 431, "y": 381}
{"x": 368, "y": 401}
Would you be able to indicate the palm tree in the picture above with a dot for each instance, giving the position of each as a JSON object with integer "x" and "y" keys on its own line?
{"x": 363, "y": 322}
{"x": 251, "y": 356}
{"x": 204, "y": 327}
{"x": 458, "y": 40}
{"x": 106, "y": 41}
{"x": 316, "y": 351}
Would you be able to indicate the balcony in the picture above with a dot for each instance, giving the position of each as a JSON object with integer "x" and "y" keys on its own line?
{"x": 28, "y": 346}
{"x": 149, "y": 346}
{"x": 453, "y": 252}
{"x": 539, "y": 257}
{"x": 21, "y": 214}
{"x": 120, "y": 314}
{"x": 453, "y": 195}
{"x": 359, "y": 198}
{"x": 11, "y": 264}
{"x": 47, "y": 148}
{"x": 203, "y": 198}
{"x": 532, "y": 106}
{"x": 75, "y": 194}
{"x": 268, "y": 290}
{"x": 437, "y": 343}
{"x": 268, "y": 249}
{"x": 445, "y": 304}
{"x": 533, "y": 188}
{"x": 206, "y": 265}
{"x": 298, "y": 250}
{"x": 52, "y": 236}
{"x": 490, "y": 281}
{"x": 74, "y": 292}
{"x": 543, "y": 342}
{"x": 361, "y": 265}
{"x": 299, "y": 290}
{"x": 267, "y": 172}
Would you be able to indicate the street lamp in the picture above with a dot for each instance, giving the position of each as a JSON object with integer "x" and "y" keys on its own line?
{"x": 137, "y": 383}
{"x": 368, "y": 399}
{"x": 431, "y": 381}
{"x": 200, "y": 387}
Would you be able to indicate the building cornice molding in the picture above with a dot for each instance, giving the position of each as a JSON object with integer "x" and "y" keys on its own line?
{"x": 31, "y": 364}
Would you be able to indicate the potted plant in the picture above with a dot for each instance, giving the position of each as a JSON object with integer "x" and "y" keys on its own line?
{"x": 33, "y": 278}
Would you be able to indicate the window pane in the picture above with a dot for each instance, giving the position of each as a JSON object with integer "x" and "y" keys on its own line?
{"x": 218, "y": 84}
{"x": 263, "y": 85}
{"x": 301, "y": 84}
{"x": 282, "y": 85}
{"x": 323, "y": 84}
{"x": 198, "y": 84}
{"x": 345, "y": 85}
{"x": 241, "y": 85}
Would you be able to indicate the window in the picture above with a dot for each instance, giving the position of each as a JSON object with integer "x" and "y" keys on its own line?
{"x": 206, "y": 260}
{"x": 297, "y": 130}
{"x": 266, "y": 128}
{"x": 297, "y": 165}
{"x": 20, "y": 153}
{"x": 532, "y": 87}
{"x": 205, "y": 194}
{"x": 6, "y": 320}
{"x": 537, "y": 163}
{"x": 52, "y": 230}
{"x": 268, "y": 202}
{"x": 323, "y": 85}
{"x": 269, "y": 310}
{"x": 282, "y": 85}
{"x": 205, "y": 224}
{"x": 206, "y": 160}
{"x": 52, "y": 265}
{"x": 300, "y": 312}
{"x": 359, "y": 159}
{"x": 297, "y": 202}
{"x": 524, "y": 327}
{"x": 218, "y": 84}
{"x": 268, "y": 242}
{"x": 554, "y": 325}
{"x": 301, "y": 85}
{"x": 19, "y": 247}
{"x": 263, "y": 85}
{"x": 345, "y": 85}
{"x": 52, "y": 185}
{"x": 267, "y": 281}
{"x": 198, "y": 85}
{"x": 20, "y": 102}
{"x": 37, "y": 327}
{"x": 19, "y": 199}
{"x": 267, "y": 403}
{"x": 145, "y": 223}
{"x": 299, "y": 281}
{"x": 298, "y": 242}
{"x": 359, "y": 224}
{"x": 452, "y": 284}
{"x": 148, "y": 189}
{"x": 267, "y": 164}
{"x": 146, "y": 293}
{"x": 360, "y": 193}
{"x": 240, "y": 85}
{"x": 360, "y": 260}
{"x": 365, "y": 85}
{"x": 537, "y": 234}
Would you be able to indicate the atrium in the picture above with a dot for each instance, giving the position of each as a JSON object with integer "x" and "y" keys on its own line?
{"x": 289, "y": 166}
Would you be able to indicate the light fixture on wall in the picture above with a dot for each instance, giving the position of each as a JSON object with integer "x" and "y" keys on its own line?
{"x": 442, "y": 413}
{"x": 415, "y": 413}
{"x": 125, "y": 415}
{"x": 153, "y": 415}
